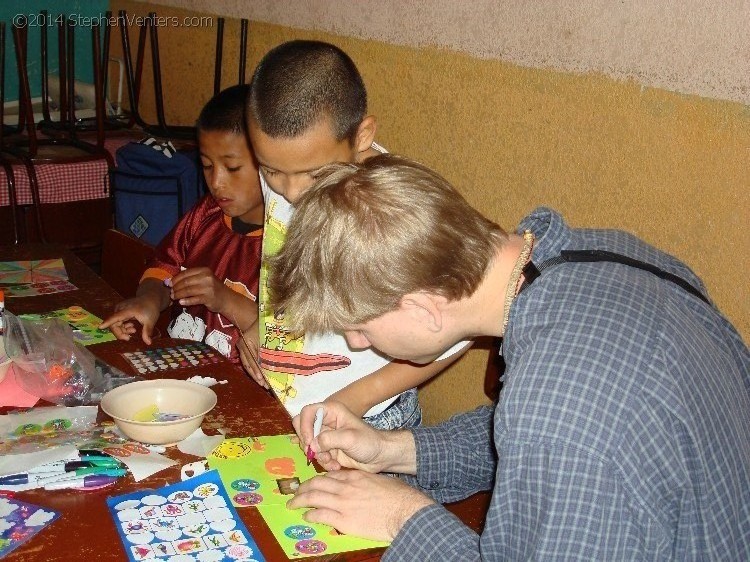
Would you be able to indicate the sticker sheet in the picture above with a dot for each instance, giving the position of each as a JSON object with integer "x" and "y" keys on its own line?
{"x": 263, "y": 472}
{"x": 85, "y": 325}
{"x": 19, "y": 521}
{"x": 191, "y": 520}
{"x": 32, "y": 271}
{"x": 39, "y": 288}
{"x": 176, "y": 357}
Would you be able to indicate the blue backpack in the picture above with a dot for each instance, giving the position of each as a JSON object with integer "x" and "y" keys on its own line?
{"x": 153, "y": 185}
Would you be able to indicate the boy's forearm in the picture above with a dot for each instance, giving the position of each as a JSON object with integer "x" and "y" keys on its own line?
{"x": 154, "y": 290}
{"x": 240, "y": 310}
{"x": 388, "y": 381}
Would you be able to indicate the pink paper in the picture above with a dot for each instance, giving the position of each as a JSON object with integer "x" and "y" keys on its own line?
{"x": 11, "y": 393}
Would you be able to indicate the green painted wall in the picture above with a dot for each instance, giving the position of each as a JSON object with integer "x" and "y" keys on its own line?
{"x": 79, "y": 10}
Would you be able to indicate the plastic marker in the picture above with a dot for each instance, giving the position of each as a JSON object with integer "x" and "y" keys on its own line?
{"x": 103, "y": 462}
{"x": 91, "y": 481}
{"x": 317, "y": 425}
{"x": 116, "y": 472}
{"x": 17, "y": 479}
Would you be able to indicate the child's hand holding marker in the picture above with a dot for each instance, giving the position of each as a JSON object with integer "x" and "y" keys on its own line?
{"x": 317, "y": 425}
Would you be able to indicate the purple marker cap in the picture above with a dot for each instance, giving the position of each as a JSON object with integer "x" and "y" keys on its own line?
{"x": 168, "y": 282}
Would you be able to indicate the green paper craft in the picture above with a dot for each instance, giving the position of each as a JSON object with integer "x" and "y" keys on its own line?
{"x": 84, "y": 324}
{"x": 249, "y": 469}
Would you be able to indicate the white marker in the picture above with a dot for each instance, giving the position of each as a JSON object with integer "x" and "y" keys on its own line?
{"x": 318, "y": 423}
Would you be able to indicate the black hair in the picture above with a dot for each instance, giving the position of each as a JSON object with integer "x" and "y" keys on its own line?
{"x": 298, "y": 83}
{"x": 225, "y": 111}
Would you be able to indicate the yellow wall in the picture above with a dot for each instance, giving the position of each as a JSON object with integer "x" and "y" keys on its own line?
{"x": 671, "y": 168}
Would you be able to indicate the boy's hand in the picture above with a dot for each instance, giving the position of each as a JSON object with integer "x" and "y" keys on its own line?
{"x": 198, "y": 285}
{"x": 144, "y": 309}
{"x": 247, "y": 346}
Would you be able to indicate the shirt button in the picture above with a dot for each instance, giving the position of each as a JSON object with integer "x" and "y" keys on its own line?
{"x": 434, "y": 485}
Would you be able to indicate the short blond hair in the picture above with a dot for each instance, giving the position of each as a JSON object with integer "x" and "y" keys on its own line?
{"x": 367, "y": 234}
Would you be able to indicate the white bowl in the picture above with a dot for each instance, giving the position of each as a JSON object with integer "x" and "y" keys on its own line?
{"x": 127, "y": 404}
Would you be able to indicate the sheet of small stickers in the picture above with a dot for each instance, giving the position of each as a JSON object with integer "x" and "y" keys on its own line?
{"x": 20, "y": 521}
{"x": 176, "y": 357}
{"x": 192, "y": 520}
{"x": 39, "y": 288}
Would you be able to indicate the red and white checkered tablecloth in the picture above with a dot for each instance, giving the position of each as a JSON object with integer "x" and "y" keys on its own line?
{"x": 61, "y": 183}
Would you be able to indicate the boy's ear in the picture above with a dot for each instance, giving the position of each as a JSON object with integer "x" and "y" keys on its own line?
{"x": 426, "y": 308}
{"x": 365, "y": 134}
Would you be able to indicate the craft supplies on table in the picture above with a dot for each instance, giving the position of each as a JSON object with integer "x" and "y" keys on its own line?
{"x": 85, "y": 325}
{"x": 191, "y": 517}
{"x": 175, "y": 357}
{"x": 27, "y": 278}
{"x": 260, "y": 473}
{"x": 19, "y": 521}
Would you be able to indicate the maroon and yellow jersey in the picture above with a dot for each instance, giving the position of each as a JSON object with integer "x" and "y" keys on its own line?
{"x": 204, "y": 237}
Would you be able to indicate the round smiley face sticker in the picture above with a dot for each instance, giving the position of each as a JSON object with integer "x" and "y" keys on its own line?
{"x": 232, "y": 449}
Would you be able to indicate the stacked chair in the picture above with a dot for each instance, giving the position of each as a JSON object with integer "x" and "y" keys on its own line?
{"x": 41, "y": 163}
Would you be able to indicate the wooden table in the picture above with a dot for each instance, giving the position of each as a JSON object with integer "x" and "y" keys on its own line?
{"x": 85, "y": 530}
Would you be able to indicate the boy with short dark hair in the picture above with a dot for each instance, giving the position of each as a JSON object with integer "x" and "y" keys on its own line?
{"x": 208, "y": 265}
{"x": 307, "y": 108}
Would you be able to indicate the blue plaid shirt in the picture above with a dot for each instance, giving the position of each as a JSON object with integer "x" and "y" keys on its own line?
{"x": 622, "y": 431}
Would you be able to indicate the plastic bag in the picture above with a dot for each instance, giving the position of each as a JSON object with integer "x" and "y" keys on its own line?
{"x": 50, "y": 364}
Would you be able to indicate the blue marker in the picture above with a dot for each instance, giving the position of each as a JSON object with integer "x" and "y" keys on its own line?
{"x": 91, "y": 481}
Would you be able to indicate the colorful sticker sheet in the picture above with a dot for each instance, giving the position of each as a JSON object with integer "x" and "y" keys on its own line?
{"x": 262, "y": 472}
{"x": 191, "y": 520}
{"x": 40, "y": 288}
{"x": 32, "y": 271}
{"x": 176, "y": 357}
{"x": 85, "y": 325}
{"x": 19, "y": 521}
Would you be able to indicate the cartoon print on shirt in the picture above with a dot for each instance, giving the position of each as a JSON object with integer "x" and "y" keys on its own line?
{"x": 281, "y": 355}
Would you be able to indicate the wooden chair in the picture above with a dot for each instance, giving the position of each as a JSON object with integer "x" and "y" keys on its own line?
{"x": 68, "y": 123}
{"x": 77, "y": 225}
{"x": 10, "y": 221}
{"x": 124, "y": 259}
{"x": 134, "y": 75}
{"x": 219, "y": 57}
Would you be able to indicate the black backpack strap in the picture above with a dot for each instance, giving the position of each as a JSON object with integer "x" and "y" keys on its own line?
{"x": 532, "y": 271}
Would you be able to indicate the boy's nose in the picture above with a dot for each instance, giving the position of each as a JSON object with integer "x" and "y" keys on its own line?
{"x": 295, "y": 188}
{"x": 216, "y": 181}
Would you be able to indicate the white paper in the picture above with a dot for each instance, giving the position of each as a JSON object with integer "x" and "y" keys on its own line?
{"x": 18, "y": 464}
{"x": 143, "y": 465}
{"x": 199, "y": 444}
